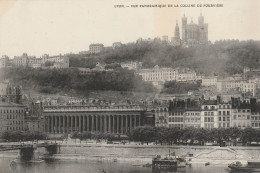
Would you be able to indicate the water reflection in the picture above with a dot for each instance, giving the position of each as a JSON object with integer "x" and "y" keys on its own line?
{"x": 91, "y": 166}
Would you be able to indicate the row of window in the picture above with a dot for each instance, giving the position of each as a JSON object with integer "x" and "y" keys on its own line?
{"x": 209, "y": 126}
{"x": 223, "y": 112}
{"x": 193, "y": 113}
{"x": 11, "y": 111}
{"x": 208, "y": 119}
{"x": 192, "y": 120}
{"x": 209, "y": 113}
{"x": 255, "y": 124}
{"x": 241, "y": 116}
{"x": 223, "y": 118}
{"x": 175, "y": 119}
{"x": 19, "y": 116}
{"x": 223, "y": 125}
{"x": 255, "y": 118}
{"x": 239, "y": 124}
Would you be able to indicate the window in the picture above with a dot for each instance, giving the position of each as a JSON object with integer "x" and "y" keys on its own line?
{"x": 219, "y": 112}
{"x": 219, "y": 118}
{"x": 224, "y": 118}
{"x": 248, "y": 117}
{"x": 228, "y": 118}
{"x": 228, "y": 112}
{"x": 205, "y": 113}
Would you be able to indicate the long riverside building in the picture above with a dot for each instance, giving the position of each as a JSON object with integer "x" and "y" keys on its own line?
{"x": 116, "y": 119}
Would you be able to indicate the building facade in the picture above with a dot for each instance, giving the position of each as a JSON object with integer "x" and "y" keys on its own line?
{"x": 243, "y": 86}
{"x": 194, "y": 34}
{"x": 209, "y": 81}
{"x": 12, "y": 117}
{"x": 117, "y": 119}
{"x": 96, "y": 48}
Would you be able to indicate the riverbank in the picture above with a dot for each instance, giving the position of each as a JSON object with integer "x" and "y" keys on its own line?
{"x": 142, "y": 154}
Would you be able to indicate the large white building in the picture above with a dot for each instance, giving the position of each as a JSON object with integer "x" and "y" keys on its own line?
{"x": 133, "y": 65}
{"x": 158, "y": 75}
{"x": 241, "y": 85}
{"x": 209, "y": 81}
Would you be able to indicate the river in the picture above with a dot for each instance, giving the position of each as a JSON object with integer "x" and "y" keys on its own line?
{"x": 91, "y": 166}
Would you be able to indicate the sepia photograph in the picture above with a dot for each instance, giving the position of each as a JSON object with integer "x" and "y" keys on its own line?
{"x": 129, "y": 86}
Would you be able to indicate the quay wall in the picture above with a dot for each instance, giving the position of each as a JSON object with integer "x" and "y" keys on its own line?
{"x": 128, "y": 151}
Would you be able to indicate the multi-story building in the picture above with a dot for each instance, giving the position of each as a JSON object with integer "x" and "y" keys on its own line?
{"x": 11, "y": 117}
{"x": 194, "y": 34}
{"x": 31, "y": 61}
{"x": 186, "y": 75}
{"x": 161, "y": 116}
{"x": 192, "y": 118}
{"x": 4, "y": 61}
{"x": 34, "y": 124}
{"x": 133, "y": 65}
{"x": 243, "y": 86}
{"x": 176, "y": 118}
{"x": 107, "y": 119}
{"x": 241, "y": 118}
{"x": 96, "y": 48}
{"x": 158, "y": 75}
{"x": 209, "y": 81}
{"x": 59, "y": 61}
{"x": 209, "y": 114}
{"x": 215, "y": 114}
{"x": 10, "y": 93}
{"x": 255, "y": 119}
{"x": 224, "y": 115}
{"x": 184, "y": 113}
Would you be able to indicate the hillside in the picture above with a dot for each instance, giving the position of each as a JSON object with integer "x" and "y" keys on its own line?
{"x": 223, "y": 57}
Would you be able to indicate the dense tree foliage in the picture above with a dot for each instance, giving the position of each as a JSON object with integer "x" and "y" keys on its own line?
{"x": 176, "y": 135}
{"x": 95, "y": 136}
{"x": 173, "y": 87}
{"x": 223, "y": 57}
{"x": 23, "y": 136}
{"x": 65, "y": 80}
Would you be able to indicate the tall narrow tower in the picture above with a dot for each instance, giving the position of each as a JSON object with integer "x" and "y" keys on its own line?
{"x": 201, "y": 20}
{"x": 177, "y": 31}
{"x": 176, "y": 40}
{"x": 184, "y": 30}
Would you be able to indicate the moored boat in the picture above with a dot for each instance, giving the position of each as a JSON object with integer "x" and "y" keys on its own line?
{"x": 251, "y": 166}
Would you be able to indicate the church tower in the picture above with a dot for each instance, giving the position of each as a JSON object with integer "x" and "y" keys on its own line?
{"x": 184, "y": 29}
{"x": 176, "y": 40}
{"x": 201, "y": 20}
{"x": 177, "y": 31}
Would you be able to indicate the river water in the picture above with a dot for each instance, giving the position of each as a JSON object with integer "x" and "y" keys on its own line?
{"x": 91, "y": 166}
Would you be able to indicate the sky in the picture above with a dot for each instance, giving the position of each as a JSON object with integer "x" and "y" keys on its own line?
{"x": 64, "y": 26}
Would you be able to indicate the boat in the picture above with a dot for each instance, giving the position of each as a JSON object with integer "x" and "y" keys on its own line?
{"x": 251, "y": 166}
{"x": 168, "y": 161}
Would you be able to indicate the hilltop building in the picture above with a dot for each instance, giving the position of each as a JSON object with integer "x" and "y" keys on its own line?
{"x": 176, "y": 40}
{"x": 194, "y": 34}
{"x": 96, "y": 48}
